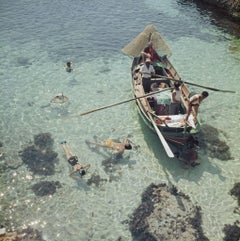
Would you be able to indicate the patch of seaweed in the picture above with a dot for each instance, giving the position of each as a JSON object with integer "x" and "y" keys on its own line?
{"x": 216, "y": 148}
{"x": 138, "y": 225}
{"x": 45, "y": 188}
{"x": 196, "y": 222}
{"x": 166, "y": 214}
{"x": 30, "y": 234}
{"x": 96, "y": 180}
{"x": 43, "y": 141}
{"x": 27, "y": 234}
{"x": 4, "y": 219}
{"x": 40, "y": 158}
{"x": 232, "y": 232}
{"x": 235, "y": 191}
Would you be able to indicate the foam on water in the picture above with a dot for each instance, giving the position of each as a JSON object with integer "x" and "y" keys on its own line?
{"x": 32, "y": 73}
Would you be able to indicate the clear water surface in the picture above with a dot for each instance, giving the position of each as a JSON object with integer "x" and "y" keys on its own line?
{"x": 37, "y": 39}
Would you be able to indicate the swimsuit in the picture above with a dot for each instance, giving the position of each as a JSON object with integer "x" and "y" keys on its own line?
{"x": 108, "y": 143}
{"x": 73, "y": 160}
{"x": 194, "y": 104}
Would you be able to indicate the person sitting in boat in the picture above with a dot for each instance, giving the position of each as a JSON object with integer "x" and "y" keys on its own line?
{"x": 69, "y": 67}
{"x": 194, "y": 103}
{"x": 118, "y": 147}
{"x": 175, "y": 99}
{"x": 158, "y": 86}
{"x": 146, "y": 71}
{"x": 73, "y": 161}
{"x": 161, "y": 100}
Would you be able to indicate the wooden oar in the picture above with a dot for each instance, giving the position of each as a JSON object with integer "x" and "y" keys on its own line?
{"x": 162, "y": 139}
{"x": 201, "y": 86}
{"x": 118, "y": 103}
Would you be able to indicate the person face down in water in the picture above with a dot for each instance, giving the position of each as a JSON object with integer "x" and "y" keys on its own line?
{"x": 73, "y": 161}
{"x": 117, "y": 147}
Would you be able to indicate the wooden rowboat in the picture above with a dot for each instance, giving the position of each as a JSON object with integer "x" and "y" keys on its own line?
{"x": 177, "y": 136}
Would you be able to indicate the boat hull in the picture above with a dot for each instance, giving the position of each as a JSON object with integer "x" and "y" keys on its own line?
{"x": 165, "y": 118}
{"x": 183, "y": 138}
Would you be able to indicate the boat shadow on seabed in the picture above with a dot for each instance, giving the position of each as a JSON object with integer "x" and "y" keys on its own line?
{"x": 184, "y": 156}
{"x": 187, "y": 153}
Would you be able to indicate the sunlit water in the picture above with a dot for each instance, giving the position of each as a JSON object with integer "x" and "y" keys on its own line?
{"x": 36, "y": 40}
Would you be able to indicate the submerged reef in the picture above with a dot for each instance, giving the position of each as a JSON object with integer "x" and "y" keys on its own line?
{"x": 215, "y": 148}
{"x": 166, "y": 214}
{"x": 43, "y": 141}
{"x": 232, "y": 232}
{"x": 40, "y": 158}
{"x": 235, "y": 191}
{"x": 230, "y": 7}
{"x": 2, "y": 154}
{"x": 27, "y": 234}
{"x": 45, "y": 188}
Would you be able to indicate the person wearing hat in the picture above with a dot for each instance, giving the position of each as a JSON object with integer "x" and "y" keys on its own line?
{"x": 176, "y": 99}
{"x": 147, "y": 71}
{"x": 194, "y": 103}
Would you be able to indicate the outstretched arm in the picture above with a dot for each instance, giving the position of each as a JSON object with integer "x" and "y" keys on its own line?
{"x": 71, "y": 174}
{"x": 147, "y": 55}
{"x": 86, "y": 166}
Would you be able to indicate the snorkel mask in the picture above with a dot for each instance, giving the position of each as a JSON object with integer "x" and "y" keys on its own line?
{"x": 82, "y": 172}
{"x": 128, "y": 146}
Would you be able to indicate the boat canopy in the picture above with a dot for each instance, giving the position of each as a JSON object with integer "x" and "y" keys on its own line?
{"x": 150, "y": 35}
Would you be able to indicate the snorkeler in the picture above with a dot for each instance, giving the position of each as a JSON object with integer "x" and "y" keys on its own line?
{"x": 59, "y": 99}
{"x": 73, "y": 161}
{"x": 118, "y": 147}
{"x": 69, "y": 67}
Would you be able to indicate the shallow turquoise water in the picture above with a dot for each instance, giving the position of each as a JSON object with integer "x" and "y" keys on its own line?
{"x": 37, "y": 38}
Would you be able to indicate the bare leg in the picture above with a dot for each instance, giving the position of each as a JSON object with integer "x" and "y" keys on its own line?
{"x": 96, "y": 144}
{"x": 188, "y": 112}
{"x": 67, "y": 150}
{"x": 195, "y": 112}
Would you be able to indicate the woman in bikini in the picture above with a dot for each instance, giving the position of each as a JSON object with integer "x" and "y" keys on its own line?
{"x": 118, "y": 147}
{"x": 73, "y": 161}
{"x": 194, "y": 103}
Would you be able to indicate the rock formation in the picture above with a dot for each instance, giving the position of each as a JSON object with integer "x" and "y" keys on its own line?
{"x": 231, "y": 7}
{"x": 166, "y": 214}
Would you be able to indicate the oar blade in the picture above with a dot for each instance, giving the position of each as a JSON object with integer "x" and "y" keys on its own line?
{"x": 161, "y": 137}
